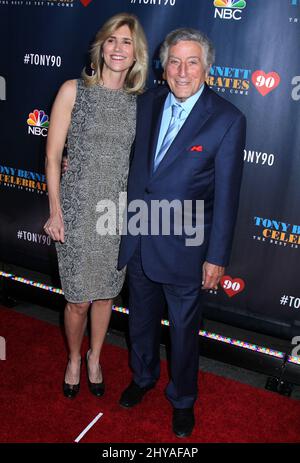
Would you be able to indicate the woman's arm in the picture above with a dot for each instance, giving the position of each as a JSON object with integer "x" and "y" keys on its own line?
{"x": 60, "y": 119}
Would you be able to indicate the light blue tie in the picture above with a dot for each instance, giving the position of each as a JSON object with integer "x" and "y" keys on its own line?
{"x": 173, "y": 129}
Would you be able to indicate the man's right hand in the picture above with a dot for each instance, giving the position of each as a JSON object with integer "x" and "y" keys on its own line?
{"x": 64, "y": 165}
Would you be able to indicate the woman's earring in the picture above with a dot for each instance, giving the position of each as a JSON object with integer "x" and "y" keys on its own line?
{"x": 91, "y": 70}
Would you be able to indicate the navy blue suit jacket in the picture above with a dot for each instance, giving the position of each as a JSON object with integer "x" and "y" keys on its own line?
{"x": 212, "y": 174}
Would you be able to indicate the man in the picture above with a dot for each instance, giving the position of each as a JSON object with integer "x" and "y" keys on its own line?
{"x": 189, "y": 145}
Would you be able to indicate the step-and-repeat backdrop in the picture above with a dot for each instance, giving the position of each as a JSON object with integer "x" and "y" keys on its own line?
{"x": 257, "y": 68}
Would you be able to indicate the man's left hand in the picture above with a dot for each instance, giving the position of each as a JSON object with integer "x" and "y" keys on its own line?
{"x": 211, "y": 275}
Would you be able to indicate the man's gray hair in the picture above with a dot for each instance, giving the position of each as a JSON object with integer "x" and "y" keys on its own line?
{"x": 188, "y": 34}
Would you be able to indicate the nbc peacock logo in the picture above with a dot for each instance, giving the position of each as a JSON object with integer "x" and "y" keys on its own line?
{"x": 230, "y": 3}
{"x": 229, "y": 9}
{"x": 38, "y": 123}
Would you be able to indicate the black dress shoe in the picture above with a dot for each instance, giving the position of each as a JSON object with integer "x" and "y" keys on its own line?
{"x": 183, "y": 421}
{"x": 71, "y": 390}
{"x": 133, "y": 394}
{"x": 96, "y": 389}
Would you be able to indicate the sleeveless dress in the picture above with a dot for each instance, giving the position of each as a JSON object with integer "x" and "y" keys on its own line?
{"x": 100, "y": 136}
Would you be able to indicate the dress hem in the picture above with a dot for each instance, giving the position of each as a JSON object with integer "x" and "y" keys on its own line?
{"x": 91, "y": 299}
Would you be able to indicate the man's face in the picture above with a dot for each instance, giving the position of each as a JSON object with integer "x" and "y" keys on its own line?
{"x": 185, "y": 70}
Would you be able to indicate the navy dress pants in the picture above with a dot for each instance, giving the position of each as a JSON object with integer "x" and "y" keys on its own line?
{"x": 146, "y": 309}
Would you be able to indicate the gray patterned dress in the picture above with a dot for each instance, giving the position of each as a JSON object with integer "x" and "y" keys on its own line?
{"x": 99, "y": 141}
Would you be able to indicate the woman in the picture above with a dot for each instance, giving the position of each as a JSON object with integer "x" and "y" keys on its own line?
{"x": 97, "y": 115}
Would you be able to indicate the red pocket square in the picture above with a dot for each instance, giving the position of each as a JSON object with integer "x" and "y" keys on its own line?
{"x": 197, "y": 148}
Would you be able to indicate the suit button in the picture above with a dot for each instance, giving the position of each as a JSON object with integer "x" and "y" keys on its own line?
{"x": 147, "y": 191}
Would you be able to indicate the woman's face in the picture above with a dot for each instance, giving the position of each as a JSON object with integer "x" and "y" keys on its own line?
{"x": 118, "y": 50}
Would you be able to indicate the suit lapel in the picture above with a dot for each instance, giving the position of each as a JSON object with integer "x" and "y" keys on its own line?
{"x": 196, "y": 119}
{"x": 157, "y": 112}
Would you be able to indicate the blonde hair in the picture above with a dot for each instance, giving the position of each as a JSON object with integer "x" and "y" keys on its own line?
{"x": 137, "y": 74}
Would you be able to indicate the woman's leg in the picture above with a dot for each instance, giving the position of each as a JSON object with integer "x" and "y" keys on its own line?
{"x": 75, "y": 324}
{"x": 100, "y": 317}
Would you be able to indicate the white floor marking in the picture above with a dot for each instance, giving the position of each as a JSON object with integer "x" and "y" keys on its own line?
{"x": 88, "y": 427}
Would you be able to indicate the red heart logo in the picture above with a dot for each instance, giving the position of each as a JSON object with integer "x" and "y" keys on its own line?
{"x": 232, "y": 286}
{"x": 85, "y": 2}
{"x": 265, "y": 83}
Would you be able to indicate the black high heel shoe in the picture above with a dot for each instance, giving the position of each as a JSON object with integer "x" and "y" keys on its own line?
{"x": 96, "y": 389}
{"x": 71, "y": 390}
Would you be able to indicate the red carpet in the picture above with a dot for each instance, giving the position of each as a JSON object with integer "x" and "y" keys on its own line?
{"x": 33, "y": 409}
